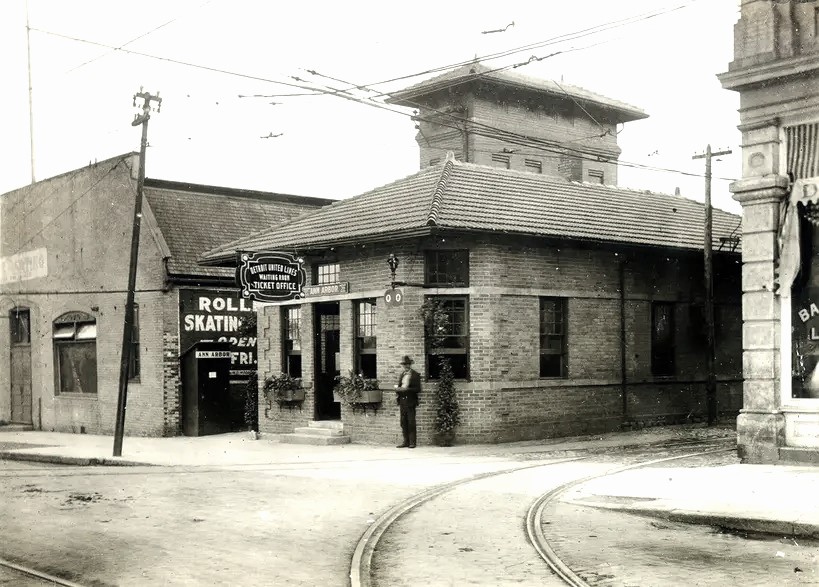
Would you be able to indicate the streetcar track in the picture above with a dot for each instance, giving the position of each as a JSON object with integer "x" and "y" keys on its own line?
{"x": 45, "y": 577}
{"x": 361, "y": 562}
{"x": 534, "y": 529}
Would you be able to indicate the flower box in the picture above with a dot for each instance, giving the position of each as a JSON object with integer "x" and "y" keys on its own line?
{"x": 291, "y": 395}
{"x": 356, "y": 389}
{"x": 369, "y": 396}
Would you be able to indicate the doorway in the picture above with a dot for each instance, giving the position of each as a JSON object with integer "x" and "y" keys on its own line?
{"x": 327, "y": 346}
{"x": 20, "y": 331}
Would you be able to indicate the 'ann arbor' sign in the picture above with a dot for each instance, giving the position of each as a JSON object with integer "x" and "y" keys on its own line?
{"x": 217, "y": 315}
{"x": 270, "y": 277}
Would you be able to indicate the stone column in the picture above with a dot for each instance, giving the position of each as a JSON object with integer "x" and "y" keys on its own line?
{"x": 760, "y": 424}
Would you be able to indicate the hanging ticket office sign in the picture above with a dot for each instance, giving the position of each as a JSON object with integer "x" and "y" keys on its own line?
{"x": 270, "y": 277}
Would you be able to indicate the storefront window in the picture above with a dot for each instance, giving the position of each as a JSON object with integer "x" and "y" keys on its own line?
{"x": 75, "y": 353}
{"x": 451, "y": 338}
{"x": 798, "y": 263}
{"x": 366, "y": 342}
{"x": 805, "y": 316}
{"x": 292, "y": 340}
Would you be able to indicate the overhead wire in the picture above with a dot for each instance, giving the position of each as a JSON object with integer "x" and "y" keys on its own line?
{"x": 135, "y": 39}
{"x": 536, "y": 45}
{"x": 74, "y": 201}
{"x": 533, "y": 142}
{"x": 489, "y": 131}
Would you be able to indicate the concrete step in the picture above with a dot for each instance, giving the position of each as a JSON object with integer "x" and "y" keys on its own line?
{"x": 331, "y": 424}
{"x": 315, "y": 439}
{"x": 319, "y": 431}
{"x": 795, "y": 455}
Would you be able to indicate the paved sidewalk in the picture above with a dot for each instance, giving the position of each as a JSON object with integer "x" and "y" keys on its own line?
{"x": 713, "y": 489}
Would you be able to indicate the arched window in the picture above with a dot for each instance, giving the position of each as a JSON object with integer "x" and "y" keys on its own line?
{"x": 75, "y": 353}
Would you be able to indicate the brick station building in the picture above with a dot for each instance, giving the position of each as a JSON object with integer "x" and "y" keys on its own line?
{"x": 64, "y": 258}
{"x": 573, "y": 306}
{"x": 776, "y": 72}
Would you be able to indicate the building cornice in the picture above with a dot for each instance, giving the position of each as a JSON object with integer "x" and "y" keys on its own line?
{"x": 780, "y": 69}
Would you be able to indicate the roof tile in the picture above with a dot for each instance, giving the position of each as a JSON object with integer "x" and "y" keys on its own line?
{"x": 490, "y": 199}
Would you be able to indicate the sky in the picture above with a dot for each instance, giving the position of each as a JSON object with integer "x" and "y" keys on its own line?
{"x": 209, "y": 60}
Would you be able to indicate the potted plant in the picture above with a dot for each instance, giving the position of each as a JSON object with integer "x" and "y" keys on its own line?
{"x": 252, "y": 406}
{"x": 247, "y": 327}
{"x": 283, "y": 388}
{"x": 356, "y": 389}
{"x": 447, "y": 408}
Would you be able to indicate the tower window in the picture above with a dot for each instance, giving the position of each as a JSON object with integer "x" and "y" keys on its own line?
{"x": 501, "y": 160}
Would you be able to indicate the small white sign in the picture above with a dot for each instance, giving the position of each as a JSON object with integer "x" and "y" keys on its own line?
{"x": 212, "y": 354}
{"x": 24, "y": 266}
{"x": 211, "y": 374}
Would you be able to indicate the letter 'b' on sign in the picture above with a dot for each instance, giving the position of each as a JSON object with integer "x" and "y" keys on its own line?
{"x": 394, "y": 297}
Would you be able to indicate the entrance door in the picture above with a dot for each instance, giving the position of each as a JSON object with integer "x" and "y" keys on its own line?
{"x": 20, "y": 326}
{"x": 327, "y": 348}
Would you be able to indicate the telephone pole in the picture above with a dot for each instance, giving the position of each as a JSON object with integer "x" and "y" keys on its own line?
{"x": 30, "y": 100}
{"x": 125, "y": 357}
{"x": 711, "y": 384}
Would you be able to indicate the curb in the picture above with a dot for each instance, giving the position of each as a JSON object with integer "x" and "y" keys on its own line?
{"x": 65, "y": 460}
{"x": 727, "y": 522}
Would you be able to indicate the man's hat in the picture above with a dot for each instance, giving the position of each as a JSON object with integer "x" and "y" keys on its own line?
{"x": 406, "y": 360}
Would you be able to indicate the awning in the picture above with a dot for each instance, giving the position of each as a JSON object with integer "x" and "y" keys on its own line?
{"x": 804, "y": 191}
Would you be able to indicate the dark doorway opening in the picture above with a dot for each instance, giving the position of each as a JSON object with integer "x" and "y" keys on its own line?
{"x": 327, "y": 349}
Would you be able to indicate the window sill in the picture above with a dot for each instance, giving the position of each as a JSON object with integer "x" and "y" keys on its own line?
{"x": 73, "y": 395}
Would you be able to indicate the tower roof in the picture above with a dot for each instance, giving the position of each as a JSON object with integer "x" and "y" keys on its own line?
{"x": 477, "y": 72}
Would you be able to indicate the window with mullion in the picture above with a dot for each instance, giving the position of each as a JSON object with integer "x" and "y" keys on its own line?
{"x": 365, "y": 341}
{"x": 452, "y": 339}
{"x": 291, "y": 339}
{"x": 327, "y": 273}
{"x": 447, "y": 268}
{"x": 553, "y": 360}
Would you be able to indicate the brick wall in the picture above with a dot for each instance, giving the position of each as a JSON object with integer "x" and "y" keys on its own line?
{"x": 83, "y": 220}
{"x": 569, "y": 126}
{"x": 171, "y": 376}
{"x": 505, "y": 399}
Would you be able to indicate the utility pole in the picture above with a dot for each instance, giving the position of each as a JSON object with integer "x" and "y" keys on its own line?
{"x": 711, "y": 384}
{"x": 30, "y": 100}
{"x": 125, "y": 357}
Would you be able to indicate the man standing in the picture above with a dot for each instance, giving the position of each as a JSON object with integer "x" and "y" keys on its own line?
{"x": 407, "y": 390}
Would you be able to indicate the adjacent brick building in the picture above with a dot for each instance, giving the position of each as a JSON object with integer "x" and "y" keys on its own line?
{"x": 572, "y": 307}
{"x": 776, "y": 72}
{"x": 64, "y": 249}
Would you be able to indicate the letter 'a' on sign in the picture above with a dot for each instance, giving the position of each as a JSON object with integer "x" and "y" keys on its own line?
{"x": 270, "y": 276}
{"x": 394, "y": 297}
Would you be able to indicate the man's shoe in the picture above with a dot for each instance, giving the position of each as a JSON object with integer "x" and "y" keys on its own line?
{"x": 402, "y": 446}
{"x": 411, "y": 446}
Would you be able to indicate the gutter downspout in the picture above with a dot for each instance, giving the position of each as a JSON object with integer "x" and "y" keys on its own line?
{"x": 621, "y": 274}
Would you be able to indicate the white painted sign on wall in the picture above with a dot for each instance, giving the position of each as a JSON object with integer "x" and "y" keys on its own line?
{"x": 24, "y": 266}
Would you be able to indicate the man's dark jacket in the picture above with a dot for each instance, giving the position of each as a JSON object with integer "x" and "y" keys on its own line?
{"x": 409, "y": 398}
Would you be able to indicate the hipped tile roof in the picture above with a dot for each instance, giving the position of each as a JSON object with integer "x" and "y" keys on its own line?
{"x": 622, "y": 111}
{"x": 196, "y": 218}
{"x": 464, "y": 196}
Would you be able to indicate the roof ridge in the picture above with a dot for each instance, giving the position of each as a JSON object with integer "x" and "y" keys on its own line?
{"x": 438, "y": 194}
